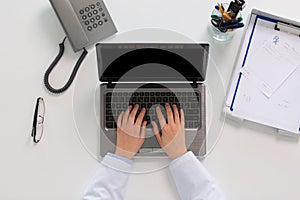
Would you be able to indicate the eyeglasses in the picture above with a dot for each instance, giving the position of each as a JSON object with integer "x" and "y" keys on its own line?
{"x": 38, "y": 120}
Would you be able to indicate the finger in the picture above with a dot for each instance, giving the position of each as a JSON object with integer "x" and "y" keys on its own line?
{"x": 169, "y": 114}
{"x": 120, "y": 118}
{"x": 182, "y": 117}
{"x": 156, "y": 132}
{"x": 125, "y": 116}
{"x": 140, "y": 118}
{"x": 160, "y": 117}
{"x": 176, "y": 114}
{"x": 133, "y": 114}
{"x": 143, "y": 130}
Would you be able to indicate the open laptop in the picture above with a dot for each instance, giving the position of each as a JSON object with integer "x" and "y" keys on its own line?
{"x": 152, "y": 74}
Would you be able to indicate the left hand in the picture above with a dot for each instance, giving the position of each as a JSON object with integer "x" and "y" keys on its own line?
{"x": 130, "y": 133}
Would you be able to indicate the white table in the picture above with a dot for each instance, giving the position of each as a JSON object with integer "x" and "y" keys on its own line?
{"x": 249, "y": 161}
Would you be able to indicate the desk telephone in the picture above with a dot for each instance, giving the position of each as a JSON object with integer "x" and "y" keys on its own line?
{"x": 85, "y": 22}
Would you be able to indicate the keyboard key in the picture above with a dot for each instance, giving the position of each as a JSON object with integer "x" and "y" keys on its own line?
{"x": 196, "y": 124}
{"x": 109, "y": 118}
{"x": 194, "y": 105}
{"x": 192, "y": 99}
{"x": 140, "y": 99}
{"x": 143, "y": 105}
{"x": 109, "y": 112}
{"x": 192, "y": 118}
{"x": 189, "y": 124}
{"x": 152, "y": 99}
{"x": 109, "y": 125}
{"x": 108, "y": 99}
{"x": 134, "y": 100}
{"x": 191, "y": 111}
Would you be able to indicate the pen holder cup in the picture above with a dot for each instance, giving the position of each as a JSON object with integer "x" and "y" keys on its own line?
{"x": 215, "y": 32}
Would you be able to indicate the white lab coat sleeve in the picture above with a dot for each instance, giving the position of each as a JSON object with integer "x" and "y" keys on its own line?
{"x": 192, "y": 180}
{"x": 110, "y": 180}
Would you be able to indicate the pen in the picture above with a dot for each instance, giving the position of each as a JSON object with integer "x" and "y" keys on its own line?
{"x": 215, "y": 17}
{"x": 217, "y": 7}
{"x": 225, "y": 15}
{"x": 235, "y": 26}
{"x": 220, "y": 8}
{"x": 231, "y": 22}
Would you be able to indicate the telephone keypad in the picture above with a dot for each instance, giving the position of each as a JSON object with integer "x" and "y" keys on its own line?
{"x": 93, "y": 15}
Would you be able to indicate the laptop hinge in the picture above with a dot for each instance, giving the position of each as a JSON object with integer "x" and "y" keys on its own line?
{"x": 194, "y": 84}
{"x": 110, "y": 84}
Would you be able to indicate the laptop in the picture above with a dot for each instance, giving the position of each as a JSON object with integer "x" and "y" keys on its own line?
{"x": 152, "y": 74}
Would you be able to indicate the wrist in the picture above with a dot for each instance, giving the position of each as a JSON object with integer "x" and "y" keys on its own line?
{"x": 123, "y": 153}
{"x": 177, "y": 154}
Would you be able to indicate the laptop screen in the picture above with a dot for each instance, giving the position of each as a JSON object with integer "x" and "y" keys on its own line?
{"x": 152, "y": 62}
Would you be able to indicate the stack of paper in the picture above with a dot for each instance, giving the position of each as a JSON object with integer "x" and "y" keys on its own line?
{"x": 269, "y": 89}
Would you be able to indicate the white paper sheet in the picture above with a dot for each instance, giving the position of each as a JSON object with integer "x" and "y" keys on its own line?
{"x": 282, "y": 109}
{"x": 274, "y": 57}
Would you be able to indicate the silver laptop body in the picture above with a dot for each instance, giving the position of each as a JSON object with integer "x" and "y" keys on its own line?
{"x": 152, "y": 74}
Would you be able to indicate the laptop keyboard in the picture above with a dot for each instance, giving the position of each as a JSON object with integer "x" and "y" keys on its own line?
{"x": 118, "y": 101}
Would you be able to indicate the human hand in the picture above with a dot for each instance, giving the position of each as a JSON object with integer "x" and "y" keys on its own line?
{"x": 172, "y": 136}
{"x": 130, "y": 133}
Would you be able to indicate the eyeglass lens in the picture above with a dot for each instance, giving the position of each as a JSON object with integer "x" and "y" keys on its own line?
{"x": 39, "y": 126}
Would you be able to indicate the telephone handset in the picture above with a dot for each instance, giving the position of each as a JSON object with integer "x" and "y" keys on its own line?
{"x": 85, "y": 22}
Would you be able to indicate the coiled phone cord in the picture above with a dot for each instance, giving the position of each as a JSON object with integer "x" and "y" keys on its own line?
{"x": 54, "y": 63}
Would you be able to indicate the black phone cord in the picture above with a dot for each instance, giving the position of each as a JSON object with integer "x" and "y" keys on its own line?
{"x": 54, "y": 63}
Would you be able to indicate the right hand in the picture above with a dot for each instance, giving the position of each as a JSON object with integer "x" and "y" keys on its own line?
{"x": 172, "y": 135}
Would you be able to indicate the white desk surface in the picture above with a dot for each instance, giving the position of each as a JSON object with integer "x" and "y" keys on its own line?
{"x": 249, "y": 161}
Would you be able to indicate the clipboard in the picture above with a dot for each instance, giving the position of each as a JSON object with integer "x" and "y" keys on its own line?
{"x": 249, "y": 99}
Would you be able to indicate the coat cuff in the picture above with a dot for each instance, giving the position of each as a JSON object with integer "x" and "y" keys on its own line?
{"x": 115, "y": 162}
{"x": 183, "y": 158}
